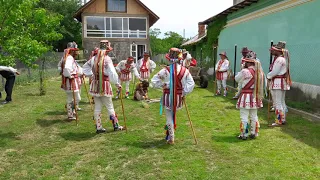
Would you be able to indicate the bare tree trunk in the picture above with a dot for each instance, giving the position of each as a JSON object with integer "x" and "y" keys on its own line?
{"x": 42, "y": 78}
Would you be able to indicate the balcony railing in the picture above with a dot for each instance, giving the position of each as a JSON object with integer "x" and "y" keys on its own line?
{"x": 116, "y": 34}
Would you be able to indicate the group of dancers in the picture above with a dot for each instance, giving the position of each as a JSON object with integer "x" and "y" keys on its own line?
{"x": 251, "y": 86}
{"x": 176, "y": 82}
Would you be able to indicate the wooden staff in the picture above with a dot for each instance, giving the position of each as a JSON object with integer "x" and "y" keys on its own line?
{"x": 194, "y": 135}
{"x": 84, "y": 82}
{"x": 124, "y": 117}
{"x": 74, "y": 101}
{"x": 133, "y": 86}
{"x": 268, "y": 85}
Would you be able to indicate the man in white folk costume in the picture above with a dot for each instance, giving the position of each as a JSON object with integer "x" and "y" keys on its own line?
{"x": 279, "y": 81}
{"x": 187, "y": 59}
{"x": 100, "y": 68}
{"x": 145, "y": 66}
{"x": 176, "y": 82}
{"x": 251, "y": 78}
{"x": 244, "y": 52}
{"x": 80, "y": 74}
{"x": 125, "y": 69}
{"x": 71, "y": 81}
{"x": 222, "y": 68}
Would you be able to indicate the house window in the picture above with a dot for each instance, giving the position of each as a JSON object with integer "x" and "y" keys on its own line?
{"x": 116, "y": 27}
{"x": 95, "y": 25}
{"x": 116, "y": 5}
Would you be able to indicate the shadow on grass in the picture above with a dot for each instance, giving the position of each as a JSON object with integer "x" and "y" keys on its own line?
{"x": 81, "y": 136}
{"x": 228, "y": 139}
{"x": 32, "y": 94}
{"x": 47, "y": 123}
{"x": 4, "y": 137}
{"x": 230, "y": 107}
{"x": 303, "y": 130}
{"x": 56, "y": 113}
{"x": 155, "y": 143}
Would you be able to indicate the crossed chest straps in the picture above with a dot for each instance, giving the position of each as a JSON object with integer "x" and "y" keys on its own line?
{"x": 219, "y": 66}
{"x": 179, "y": 78}
{"x": 144, "y": 67}
{"x": 126, "y": 70}
{"x": 247, "y": 88}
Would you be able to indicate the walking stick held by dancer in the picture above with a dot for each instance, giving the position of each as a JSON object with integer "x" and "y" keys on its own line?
{"x": 84, "y": 82}
{"x": 194, "y": 134}
{"x": 124, "y": 117}
{"x": 74, "y": 100}
{"x": 269, "y": 90}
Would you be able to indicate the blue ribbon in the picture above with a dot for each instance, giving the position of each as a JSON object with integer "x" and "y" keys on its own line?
{"x": 161, "y": 106}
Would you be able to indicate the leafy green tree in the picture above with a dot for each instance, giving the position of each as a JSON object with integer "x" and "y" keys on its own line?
{"x": 155, "y": 42}
{"x": 69, "y": 27}
{"x": 172, "y": 39}
{"x": 25, "y": 31}
{"x": 161, "y": 46}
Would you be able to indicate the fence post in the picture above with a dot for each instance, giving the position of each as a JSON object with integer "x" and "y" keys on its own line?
{"x": 214, "y": 69}
{"x": 235, "y": 65}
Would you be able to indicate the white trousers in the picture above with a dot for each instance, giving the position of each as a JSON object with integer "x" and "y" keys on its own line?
{"x": 224, "y": 85}
{"x": 170, "y": 125}
{"x": 98, "y": 103}
{"x": 245, "y": 114}
{"x": 70, "y": 104}
{"x": 278, "y": 98}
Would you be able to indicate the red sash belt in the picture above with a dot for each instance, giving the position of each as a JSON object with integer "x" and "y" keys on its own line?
{"x": 282, "y": 77}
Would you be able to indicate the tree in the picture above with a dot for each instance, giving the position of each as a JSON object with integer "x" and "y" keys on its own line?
{"x": 161, "y": 46}
{"x": 69, "y": 27}
{"x": 25, "y": 31}
{"x": 155, "y": 41}
{"x": 172, "y": 39}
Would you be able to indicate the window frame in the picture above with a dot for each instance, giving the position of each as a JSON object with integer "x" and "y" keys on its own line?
{"x": 125, "y": 34}
{"x": 126, "y": 9}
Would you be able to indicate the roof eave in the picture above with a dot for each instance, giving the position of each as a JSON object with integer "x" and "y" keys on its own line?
{"x": 152, "y": 21}
{"x": 229, "y": 11}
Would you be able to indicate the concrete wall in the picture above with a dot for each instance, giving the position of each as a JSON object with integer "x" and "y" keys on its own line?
{"x": 294, "y": 21}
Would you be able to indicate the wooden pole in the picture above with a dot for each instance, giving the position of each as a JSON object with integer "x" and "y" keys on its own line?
{"x": 269, "y": 93}
{"x": 214, "y": 70}
{"x": 74, "y": 101}
{"x": 194, "y": 135}
{"x": 84, "y": 82}
{"x": 124, "y": 117}
{"x": 235, "y": 63}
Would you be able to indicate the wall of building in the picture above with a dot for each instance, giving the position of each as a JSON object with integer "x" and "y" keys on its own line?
{"x": 99, "y": 6}
{"x": 121, "y": 47}
{"x": 293, "y": 21}
{"x": 298, "y": 26}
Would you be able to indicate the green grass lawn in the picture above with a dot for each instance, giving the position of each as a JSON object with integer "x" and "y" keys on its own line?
{"x": 36, "y": 141}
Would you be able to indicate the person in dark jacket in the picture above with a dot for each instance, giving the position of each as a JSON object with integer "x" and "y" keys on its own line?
{"x": 9, "y": 74}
